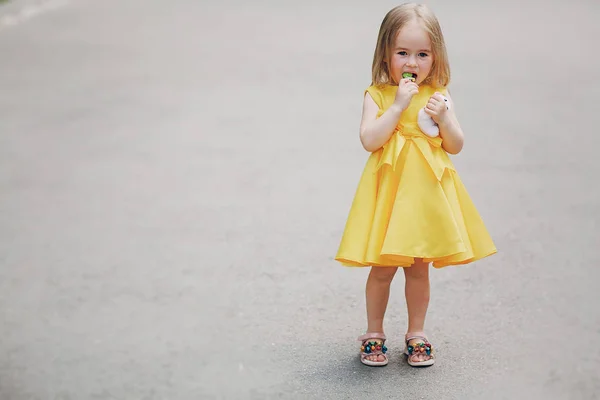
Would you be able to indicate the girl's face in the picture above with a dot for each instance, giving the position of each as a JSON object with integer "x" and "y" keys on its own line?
{"x": 411, "y": 52}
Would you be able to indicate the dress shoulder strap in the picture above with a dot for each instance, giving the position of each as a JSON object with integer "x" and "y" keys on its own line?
{"x": 377, "y": 95}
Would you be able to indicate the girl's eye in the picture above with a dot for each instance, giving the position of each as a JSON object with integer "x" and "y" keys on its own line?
{"x": 402, "y": 53}
{"x": 423, "y": 55}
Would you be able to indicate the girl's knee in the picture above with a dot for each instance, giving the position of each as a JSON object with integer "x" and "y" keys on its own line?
{"x": 419, "y": 270}
{"x": 383, "y": 274}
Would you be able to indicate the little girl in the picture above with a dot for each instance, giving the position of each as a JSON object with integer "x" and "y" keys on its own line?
{"x": 410, "y": 208}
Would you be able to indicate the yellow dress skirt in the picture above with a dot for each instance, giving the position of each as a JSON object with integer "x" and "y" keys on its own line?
{"x": 410, "y": 202}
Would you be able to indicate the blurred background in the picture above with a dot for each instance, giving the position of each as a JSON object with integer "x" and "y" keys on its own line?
{"x": 175, "y": 178}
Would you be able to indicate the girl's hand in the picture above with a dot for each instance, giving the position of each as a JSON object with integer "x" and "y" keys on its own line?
{"x": 437, "y": 108}
{"x": 406, "y": 90}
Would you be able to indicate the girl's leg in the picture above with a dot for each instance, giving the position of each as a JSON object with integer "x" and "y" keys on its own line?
{"x": 417, "y": 299}
{"x": 377, "y": 295}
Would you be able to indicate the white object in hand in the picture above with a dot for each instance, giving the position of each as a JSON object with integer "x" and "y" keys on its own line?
{"x": 427, "y": 124}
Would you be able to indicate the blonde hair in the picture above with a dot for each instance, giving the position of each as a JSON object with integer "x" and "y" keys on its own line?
{"x": 392, "y": 23}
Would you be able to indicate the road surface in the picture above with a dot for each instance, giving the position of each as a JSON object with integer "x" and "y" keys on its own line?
{"x": 175, "y": 177}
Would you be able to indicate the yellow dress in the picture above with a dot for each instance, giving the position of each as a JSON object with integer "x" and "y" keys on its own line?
{"x": 410, "y": 202}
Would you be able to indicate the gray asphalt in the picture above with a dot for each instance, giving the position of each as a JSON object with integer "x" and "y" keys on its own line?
{"x": 175, "y": 177}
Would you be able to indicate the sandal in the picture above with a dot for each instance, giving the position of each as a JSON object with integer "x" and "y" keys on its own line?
{"x": 373, "y": 347}
{"x": 423, "y": 347}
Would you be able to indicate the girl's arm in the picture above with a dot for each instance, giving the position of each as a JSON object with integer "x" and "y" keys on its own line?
{"x": 375, "y": 132}
{"x": 450, "y": 130}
